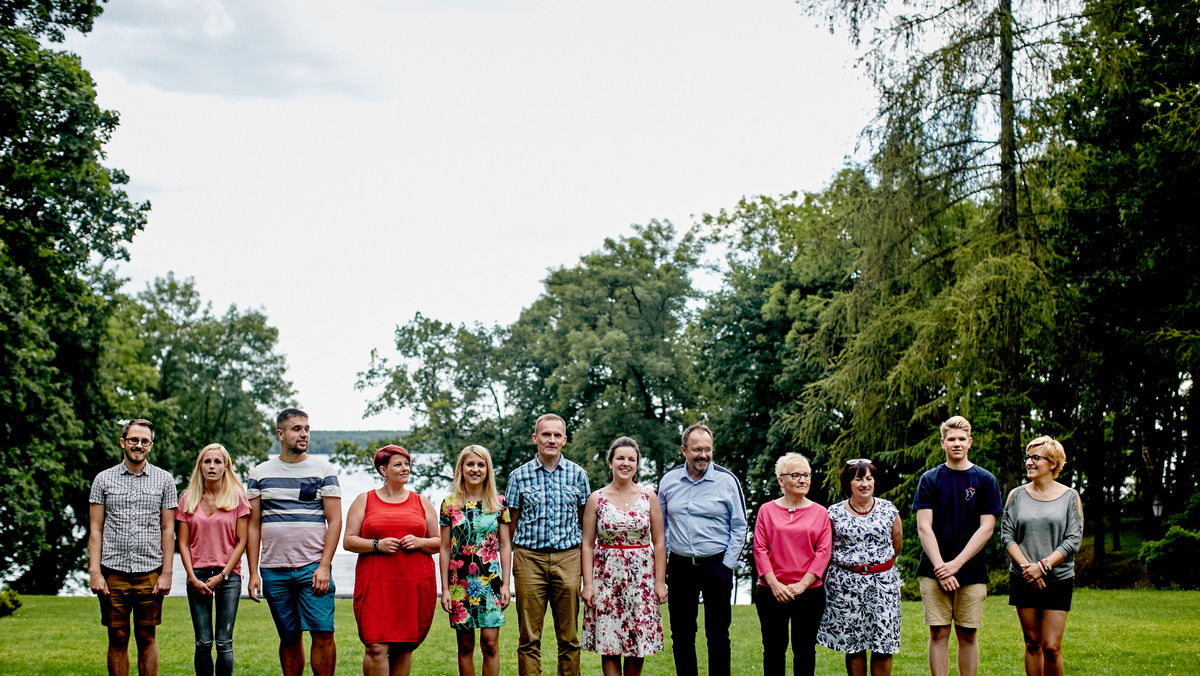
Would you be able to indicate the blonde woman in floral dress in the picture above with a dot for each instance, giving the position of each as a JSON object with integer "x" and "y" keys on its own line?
{"x": 475, "y": 559}
{"x": 624, "y": 567}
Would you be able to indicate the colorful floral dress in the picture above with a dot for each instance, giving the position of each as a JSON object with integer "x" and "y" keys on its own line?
{"x": 626, "y": 620}
{"x": 475, "y": 571}
{"x": 862, "y": 612}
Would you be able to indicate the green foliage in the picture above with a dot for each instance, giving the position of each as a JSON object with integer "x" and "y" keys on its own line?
{"x": 1189, "y": 516}
{"x": 10, "y": 600}
{"x": 456, "y": 381}
{"x": 49, "y": 18}
{"x": 608, "y": 335}
{"x": 1173, "y": 558}
{"x": 1130, "y": 180}
{"x": 60, "y": 210}
{"x": 208, "y": 378}
{"x": 602, "y": 346}
{"x": 785, "y": 261}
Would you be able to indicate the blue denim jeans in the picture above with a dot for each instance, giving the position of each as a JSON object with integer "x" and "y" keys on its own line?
{"x": 225, "y": 596}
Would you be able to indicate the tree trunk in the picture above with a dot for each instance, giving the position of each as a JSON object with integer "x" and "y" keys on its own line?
{"x": 1010, "y": 370}
{"x": 1097, "y": 452}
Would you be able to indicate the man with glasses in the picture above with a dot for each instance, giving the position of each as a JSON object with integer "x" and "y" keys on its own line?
{"x": 704, "y": 511}
{"x": 956, "y": 503}
{"x": 131, "y": 542}
{"x": 296, "y": 515}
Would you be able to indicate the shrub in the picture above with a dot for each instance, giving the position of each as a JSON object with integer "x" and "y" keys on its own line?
{"x": 1173, "y": 558}
{"x": 998, "y": 581}
{"x": 1189, "y": 516}
{"x": 10, "y": 600}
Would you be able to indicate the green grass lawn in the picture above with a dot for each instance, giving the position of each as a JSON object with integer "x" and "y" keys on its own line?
{"x": 1109, "y": 632}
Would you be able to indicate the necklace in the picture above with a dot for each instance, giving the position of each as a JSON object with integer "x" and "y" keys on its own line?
{"x": 855, "y": 509}
{"x": 628, "y": 504}
{"x": 792, "y": 510}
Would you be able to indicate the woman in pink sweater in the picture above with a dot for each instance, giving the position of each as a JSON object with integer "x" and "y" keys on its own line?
{"x": 792, "y": 544}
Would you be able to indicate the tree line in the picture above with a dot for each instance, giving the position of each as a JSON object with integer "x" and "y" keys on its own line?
{"x": 1017, "y": 247}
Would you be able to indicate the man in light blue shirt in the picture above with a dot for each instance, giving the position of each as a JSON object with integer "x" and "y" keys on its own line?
{"x": 705, "y": 515}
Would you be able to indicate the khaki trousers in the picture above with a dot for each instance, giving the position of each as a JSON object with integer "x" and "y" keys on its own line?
{"x": 543, "y": 578}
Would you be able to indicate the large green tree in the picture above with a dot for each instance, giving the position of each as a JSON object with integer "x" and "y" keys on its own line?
{"x": 603, "y": 346}
{"x": 60, "y": 209}
{"x": 1130, "y": 180}
{"x": 958, "y": 210}
{"x": 218, "y": 378}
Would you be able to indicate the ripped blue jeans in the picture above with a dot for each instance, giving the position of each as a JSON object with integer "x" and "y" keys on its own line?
{"x": 225, "y": 597}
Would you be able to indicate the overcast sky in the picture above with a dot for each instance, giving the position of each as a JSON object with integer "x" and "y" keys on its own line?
{"x": 343, "y": 165}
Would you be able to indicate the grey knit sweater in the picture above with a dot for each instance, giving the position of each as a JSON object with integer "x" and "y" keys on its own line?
{"x": 1040, "y": 527}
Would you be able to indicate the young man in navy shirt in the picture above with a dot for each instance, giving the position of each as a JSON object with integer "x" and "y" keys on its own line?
{"x": 957, "y": 504}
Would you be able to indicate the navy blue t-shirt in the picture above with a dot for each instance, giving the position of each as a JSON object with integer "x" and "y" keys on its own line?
{"x": 958, "y": 498}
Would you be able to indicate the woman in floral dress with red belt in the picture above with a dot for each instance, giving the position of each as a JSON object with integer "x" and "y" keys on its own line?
{"x": 624, "y": 567}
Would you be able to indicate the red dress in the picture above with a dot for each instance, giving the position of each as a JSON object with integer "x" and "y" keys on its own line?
{"x": 394, "y": 594}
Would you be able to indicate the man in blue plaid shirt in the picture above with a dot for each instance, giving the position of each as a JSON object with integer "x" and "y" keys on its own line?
{"x": 546, "y": 497}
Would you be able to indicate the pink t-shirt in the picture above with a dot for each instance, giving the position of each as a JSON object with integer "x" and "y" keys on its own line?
{"x": 212, "y": 537}
{"x": 791, "y": 545}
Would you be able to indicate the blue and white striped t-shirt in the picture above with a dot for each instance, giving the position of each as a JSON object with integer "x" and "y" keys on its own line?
{"x": 293, "y": 514}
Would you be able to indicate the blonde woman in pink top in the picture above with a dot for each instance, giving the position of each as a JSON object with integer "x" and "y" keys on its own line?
{"x": 792, "y": 545}
{"x": 213, "y": 521}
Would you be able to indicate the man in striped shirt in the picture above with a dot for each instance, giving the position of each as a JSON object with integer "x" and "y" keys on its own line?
{"x": 296, "y": 515}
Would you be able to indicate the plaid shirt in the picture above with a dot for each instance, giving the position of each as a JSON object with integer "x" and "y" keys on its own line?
{"x": 133, "y": 507}
{"x": 549, "y": 502}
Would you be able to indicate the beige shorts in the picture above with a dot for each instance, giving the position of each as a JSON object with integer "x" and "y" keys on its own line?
{"x": 963, "y": 607}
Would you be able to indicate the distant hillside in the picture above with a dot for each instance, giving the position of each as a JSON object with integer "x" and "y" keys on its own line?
{"x": 323, "y": 441}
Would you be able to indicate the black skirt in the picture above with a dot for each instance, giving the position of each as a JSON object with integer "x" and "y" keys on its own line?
{"x": 1056, "y": 595}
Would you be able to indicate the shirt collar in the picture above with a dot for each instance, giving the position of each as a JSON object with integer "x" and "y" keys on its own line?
{"x": 707, "y": 476}
{"x": 125, "y": 469}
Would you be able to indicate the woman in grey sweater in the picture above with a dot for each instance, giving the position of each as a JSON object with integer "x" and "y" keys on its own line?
{"x": 1041, "y": 531}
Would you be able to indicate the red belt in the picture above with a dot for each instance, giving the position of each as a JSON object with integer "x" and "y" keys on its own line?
{"x": 871, "y": 570}
{"x": 610, "y": 546}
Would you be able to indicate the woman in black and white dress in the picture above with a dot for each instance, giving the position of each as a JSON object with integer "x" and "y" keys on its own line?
{"x": 862, "y": 584}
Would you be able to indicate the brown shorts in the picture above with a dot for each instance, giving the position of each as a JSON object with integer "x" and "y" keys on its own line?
{"x": 130, "y": 593}
{"x": 963, "y": 608}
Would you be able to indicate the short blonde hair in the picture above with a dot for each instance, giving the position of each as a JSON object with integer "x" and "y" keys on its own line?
{"x": 788, "y": 460}
{"x": 956, "y": 423}
{"x": 1052, "y": 450}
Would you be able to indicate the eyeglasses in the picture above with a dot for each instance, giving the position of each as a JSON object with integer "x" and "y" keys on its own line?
{"x": 1036, "y": 458}
{"x": 797, "y": 476}
{"x": 857, "y": 460}
{"x": 139, "y": 442}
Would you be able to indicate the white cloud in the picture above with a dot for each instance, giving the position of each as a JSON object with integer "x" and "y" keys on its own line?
{"x": 345, "y": 165}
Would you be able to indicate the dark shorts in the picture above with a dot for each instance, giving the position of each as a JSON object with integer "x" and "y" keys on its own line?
{"x": 294, "y": 605}
{"x": 1056, "y": 595}
{"x": 130, "y": 594}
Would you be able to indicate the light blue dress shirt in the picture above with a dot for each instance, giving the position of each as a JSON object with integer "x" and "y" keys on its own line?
{"x": 705, "y": 517}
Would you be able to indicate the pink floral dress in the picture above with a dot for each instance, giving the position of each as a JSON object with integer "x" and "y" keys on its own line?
{"x": 475, "y": 568}
{"x": 626, "y": 620}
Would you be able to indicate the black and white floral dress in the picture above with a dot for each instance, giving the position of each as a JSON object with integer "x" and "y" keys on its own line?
{"x": 862, "y": 612}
